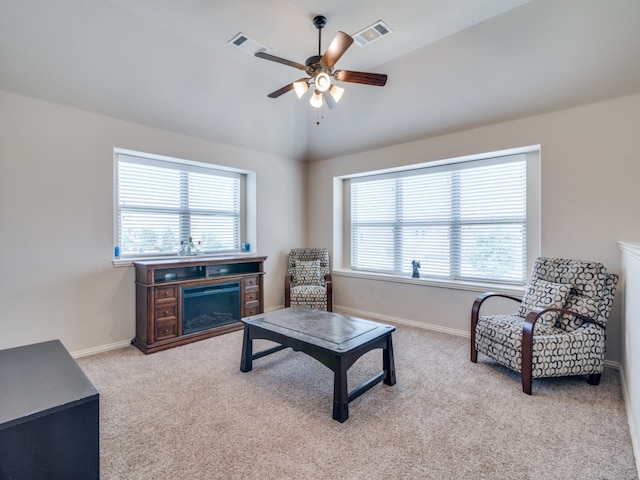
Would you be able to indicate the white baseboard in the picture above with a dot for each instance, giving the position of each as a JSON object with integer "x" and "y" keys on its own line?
{"x": 100, "y": 349}
{"x": 399, "y": 321}
{"x": 612, "y": 364}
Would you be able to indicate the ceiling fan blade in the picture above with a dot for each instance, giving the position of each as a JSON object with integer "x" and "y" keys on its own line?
{"x": 377, "y": 79}
{"x": 284, "y": 61}
{"x": 281, "y": 91}
{"x": 340, "y": 43}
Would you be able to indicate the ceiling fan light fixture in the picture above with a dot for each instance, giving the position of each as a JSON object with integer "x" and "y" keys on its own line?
{"x": 316, "y": 99}
{"x": 336, "y": 92}
{"x": 300, "y": 87}
{"x": 323, "y": 81}
{"x": 320, "y": 68}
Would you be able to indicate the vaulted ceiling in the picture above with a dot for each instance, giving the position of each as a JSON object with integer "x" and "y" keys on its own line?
{"x": 451, "y": 65}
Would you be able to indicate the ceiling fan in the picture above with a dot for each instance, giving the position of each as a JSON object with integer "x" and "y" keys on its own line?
{"x": 320, "y": 70}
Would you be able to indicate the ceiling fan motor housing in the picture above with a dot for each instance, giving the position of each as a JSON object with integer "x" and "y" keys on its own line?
{"x": 319, "y": 21}
{"x": 311, "y": 61}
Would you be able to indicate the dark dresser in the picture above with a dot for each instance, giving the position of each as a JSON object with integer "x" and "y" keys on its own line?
{"x": 49, "y": 415}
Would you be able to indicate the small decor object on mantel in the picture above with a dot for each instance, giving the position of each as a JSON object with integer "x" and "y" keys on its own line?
{"x": 189, "y": 248}
{"x": 416, "y": 266}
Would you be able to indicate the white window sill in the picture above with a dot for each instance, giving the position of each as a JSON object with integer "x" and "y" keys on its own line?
{"x": 516, "y": 290}
{"x": 128, "y": 262}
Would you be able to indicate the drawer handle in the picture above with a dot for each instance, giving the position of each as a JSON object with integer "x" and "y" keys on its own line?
{"x": 166, "y": 294}
{"x": 166, "y": 330}
{"x": 166, "y": 313}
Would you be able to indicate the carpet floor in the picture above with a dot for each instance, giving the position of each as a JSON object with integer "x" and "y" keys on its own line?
{"x": 189, "y": 413}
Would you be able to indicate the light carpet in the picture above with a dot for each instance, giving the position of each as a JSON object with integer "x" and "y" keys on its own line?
{"x": 189, "y": 413}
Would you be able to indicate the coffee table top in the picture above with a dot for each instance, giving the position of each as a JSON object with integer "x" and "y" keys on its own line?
{"x": 332, "y": 331}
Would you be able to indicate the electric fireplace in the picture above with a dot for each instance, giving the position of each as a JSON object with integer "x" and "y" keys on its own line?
{"x": 186, "y": 299}
{"x": 210, "y": 306}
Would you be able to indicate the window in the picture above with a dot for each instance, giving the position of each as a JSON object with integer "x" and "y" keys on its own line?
{"x": 162, "y": 202}
{"x": 463, "y": 221}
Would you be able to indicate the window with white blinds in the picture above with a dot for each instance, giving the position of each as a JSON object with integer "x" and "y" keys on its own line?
{"x": 161, "y": 203}
{"x": 463, "y": 221}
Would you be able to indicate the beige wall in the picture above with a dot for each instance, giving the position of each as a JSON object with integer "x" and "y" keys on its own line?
{"x": 56, "y": 212}
{"x": 590, "y": 200}
{"x": 56, "y": 217}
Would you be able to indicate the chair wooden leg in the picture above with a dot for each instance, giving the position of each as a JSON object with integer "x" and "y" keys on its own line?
{"x": 474, "y": 350}
{"x": 527, "y": 358}
{"x": 287, "y": 291}
{"x": 594, "y": 378}
{"x": 474, "y": 323}
{"x": 526, "y": 382}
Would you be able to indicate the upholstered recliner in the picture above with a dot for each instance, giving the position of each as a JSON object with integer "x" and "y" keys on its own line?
{"x": 308, "y": 279}
{"x": 559, "y": 328}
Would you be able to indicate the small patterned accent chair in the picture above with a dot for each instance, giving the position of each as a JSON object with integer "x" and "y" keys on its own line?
{"x": 308, "y": 279}
{"x": 560, "y": 327}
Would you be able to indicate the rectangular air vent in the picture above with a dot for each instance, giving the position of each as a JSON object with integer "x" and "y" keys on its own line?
{"x": 247, "y": 44}
{"x": 371, "y": 33}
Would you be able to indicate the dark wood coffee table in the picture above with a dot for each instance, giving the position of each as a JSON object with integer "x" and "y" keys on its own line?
{"x": 335, "y": 340}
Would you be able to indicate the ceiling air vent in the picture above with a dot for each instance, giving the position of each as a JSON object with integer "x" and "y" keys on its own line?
{"x": 371, "y": 33}
{"x": 247, "y": 44}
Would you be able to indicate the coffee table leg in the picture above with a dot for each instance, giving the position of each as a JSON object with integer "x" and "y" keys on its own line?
{"x": 340, "y": 393}
{"x": 246, "y": 361}
{"x": 388, "y": 364}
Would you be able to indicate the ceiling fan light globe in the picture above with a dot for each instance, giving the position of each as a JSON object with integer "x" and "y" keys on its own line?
{"x": 316, "y": 99}
{"x": 336, "y": 92}
{"x": 300, "y": 87}
{"x": 323, "y": 81}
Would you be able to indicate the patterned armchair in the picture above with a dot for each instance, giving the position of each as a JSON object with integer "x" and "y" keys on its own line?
{"x": 308, "y": 280}
{"x": 559, "y": 328}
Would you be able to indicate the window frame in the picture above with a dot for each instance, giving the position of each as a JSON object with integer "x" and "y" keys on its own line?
{"x": 247, "y": 197}
{"x": 342, "y": 221}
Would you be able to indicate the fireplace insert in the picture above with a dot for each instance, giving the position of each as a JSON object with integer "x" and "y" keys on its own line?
{"x": 210, "y": 306}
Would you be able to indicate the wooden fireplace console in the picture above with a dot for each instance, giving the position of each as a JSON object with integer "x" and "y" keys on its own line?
{"x": 159, "y": 287}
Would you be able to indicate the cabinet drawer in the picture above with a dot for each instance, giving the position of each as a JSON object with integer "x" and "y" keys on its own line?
{"x": 251, "y": 310}
{"x": 250, "y": 282}
{"x": 166, "y": 311}
{"x": 251, "y": 296}
{"x": 167, "y": 293}
{"x": 166, "y": 330}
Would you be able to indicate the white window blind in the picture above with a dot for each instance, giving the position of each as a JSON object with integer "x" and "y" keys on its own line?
{"x": 464, "y": 221}
{"x": 161, "y": 203}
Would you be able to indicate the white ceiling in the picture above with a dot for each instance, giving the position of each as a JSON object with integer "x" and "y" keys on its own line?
{"x": 451, "y": 64}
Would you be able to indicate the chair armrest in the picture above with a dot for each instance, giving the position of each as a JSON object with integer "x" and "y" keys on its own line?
{"x": 475, "y": 312}
{"x": 532, "y": 317}
{"x": 475, "y": 309}
{"x": 527, "y": 339}
{"x": 584, "y": 318}
{"x": 527, "y": 345}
